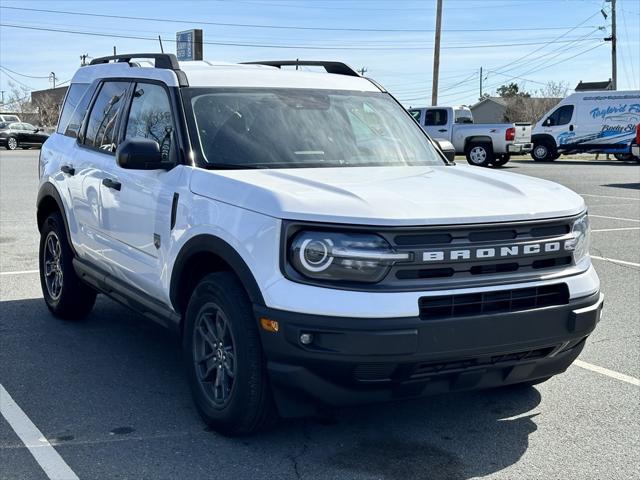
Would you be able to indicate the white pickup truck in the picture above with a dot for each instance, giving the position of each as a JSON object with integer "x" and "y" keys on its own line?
{"x": 489, "y": 144}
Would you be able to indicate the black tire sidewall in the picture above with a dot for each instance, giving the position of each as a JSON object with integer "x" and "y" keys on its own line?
{"x": 489, "y": 154}
{"x": 226, "y": 292}
{"x": 550, "y": 151}
{"x": 500, "y": 160}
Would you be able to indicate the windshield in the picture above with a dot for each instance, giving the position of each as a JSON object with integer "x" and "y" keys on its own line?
{"x": 289, "y": 128}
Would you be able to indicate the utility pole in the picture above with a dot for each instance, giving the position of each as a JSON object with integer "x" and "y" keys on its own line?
{"x": 614, "y": 40}
{"x": 436, "y": 54}
{"x": 52, "y": 78}
{"x": 480, "y": 83}
{"x": 362, "y": 71}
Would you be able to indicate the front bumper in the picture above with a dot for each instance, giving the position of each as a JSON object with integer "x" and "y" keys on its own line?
{"x": 355, "y": 360}
{"x": 519, "y": 148}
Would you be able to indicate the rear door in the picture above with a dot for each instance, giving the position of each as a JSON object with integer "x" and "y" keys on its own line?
{"x": 436, "y": 123}
{"x": 93, "y": 161}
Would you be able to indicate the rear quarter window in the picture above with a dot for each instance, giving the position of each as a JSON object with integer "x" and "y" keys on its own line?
{"x": 74, "y": 109}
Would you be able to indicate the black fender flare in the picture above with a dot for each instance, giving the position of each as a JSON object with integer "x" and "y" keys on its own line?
{"x": 49, "y": 191}
{"x": 206, "y": 243}
{"x": 477, "y": 139}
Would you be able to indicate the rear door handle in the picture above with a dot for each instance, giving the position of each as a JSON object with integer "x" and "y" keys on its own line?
{"x": 68, "y": 169}
{"x": 107, "y": 182}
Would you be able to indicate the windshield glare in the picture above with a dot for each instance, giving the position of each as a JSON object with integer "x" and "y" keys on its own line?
{"x": 289, "y": 128}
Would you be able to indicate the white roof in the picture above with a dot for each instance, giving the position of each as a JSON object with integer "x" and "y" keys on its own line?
{"x": 220, "y": 74}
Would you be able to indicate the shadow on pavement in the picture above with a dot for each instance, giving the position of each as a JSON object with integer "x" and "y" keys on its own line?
{"x": 632, "y": 186}
{"x": 110, "y": 393}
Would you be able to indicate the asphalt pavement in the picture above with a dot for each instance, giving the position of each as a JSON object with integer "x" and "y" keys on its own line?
{"x": 109, "y": 394}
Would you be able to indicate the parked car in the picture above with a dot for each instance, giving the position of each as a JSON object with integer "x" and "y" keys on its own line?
{"x": 21, "y": 135}
{"x": 483, "y": 144}
{"x": 588, "y": 122}
{"x": 306, "y": 240}
{"x": 8, "y": 118}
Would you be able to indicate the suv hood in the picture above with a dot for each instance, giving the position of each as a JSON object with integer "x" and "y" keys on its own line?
{"x": 388, "y": 196}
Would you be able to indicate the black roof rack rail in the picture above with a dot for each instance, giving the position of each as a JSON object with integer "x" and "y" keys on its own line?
{"x": 167, "y": 61}
{"x": 338, "y": 68}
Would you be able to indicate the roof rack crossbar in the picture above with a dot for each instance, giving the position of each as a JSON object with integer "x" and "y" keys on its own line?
{"x": 167, "y": 61}
{"x": 338, "y": 68}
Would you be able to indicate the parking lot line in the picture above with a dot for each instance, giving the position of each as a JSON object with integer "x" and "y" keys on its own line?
{"x": 20, "y": 272}
{"x": 609, "y": 373}
{"x": 608, "y": 196}
{"x": 613, "y": 260}
{"x": 615, "y": 229}
{"x": 46, "y": 456}
{"x": 616, "y": 218}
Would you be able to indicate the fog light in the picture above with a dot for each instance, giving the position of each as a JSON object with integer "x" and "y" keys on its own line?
{"x": 269, "y": 325}
{"x": 306, "y": 338}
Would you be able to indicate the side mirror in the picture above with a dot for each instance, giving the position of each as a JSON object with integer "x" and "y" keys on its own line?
{"x": 447, "y": 148}
{"x": 141, "y": 154}
{"x": 37, "y": 130}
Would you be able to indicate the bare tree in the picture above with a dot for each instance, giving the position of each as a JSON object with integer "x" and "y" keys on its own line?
{"x": 18, "y": 100}
{"x": 531, "y": 107}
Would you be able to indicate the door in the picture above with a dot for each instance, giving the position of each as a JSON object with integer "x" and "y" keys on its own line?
{"x": 436, "y": 123}
{"x": 561, "y": 126}
{"x": 91, "y": 160}
{"x": 30, "y": 133}
{"x": 137, "y": 214}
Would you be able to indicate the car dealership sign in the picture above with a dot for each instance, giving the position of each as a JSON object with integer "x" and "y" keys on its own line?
{"x": 189, "y": 45}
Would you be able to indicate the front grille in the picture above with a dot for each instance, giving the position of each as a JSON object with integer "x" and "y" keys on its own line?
{"x": 469, "y": 267}
{"x": 503, "y": 301}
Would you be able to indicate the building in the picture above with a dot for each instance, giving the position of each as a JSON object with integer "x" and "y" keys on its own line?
{"x": 48, "y": 103}
{"x": 489, "y": 110}
{"x": 512, "y": 109}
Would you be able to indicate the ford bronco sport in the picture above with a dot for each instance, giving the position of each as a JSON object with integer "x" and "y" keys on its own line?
{"x": 307, "y": 240}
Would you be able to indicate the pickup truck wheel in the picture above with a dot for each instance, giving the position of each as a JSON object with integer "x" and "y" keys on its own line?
{"x": 224, "y": 359}
{"x": 501, "y": 160}
{"x": 544, "y": 151}
{"x": 480, "y": 154}
{"x": 64, "y": 293}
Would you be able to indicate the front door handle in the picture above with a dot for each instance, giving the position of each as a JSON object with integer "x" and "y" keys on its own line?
{"x": 442, "y": 130}
{"x": 571, "y": 128}
{"x": 68, "y": 169}
{"x": 107, "y": 182}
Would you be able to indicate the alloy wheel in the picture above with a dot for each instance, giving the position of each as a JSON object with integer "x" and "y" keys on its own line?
{"x": 53, "y": 275}
{"x": 214, "y": 354}
{"x": 12, "y": 143}
{"x": 478, "y": 155}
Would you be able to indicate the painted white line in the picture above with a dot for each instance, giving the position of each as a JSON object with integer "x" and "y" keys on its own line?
{"x": 20, "y": 272}
{"x": 615, "y": 229}
{"x": 613, "y": 260}
{"x": 609, "y": 196}
{"x": 616, "y": 218}
{"x": 46, "y": 456}
{"x": 609, "y": 373}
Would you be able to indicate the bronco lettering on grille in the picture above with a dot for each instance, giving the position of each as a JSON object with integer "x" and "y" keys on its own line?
{"x": 504, "y": 251}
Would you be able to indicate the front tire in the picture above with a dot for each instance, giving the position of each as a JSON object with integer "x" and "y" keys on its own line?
{"x": 12, "y": 143}
{"x": 544, "y": 151}
{"x": 64, "y": 293}
{"x": 480, "y": 154}
{"x": 224, "y": 359}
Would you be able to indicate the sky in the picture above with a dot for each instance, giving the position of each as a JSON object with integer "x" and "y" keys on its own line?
{"x": 531, "y": 42}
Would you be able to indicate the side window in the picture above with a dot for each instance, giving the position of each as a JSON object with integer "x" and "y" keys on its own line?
{"x": 150, "y": 117}
{"x": 435, "y": 117}
{"x": 72, "y": 102}
{"x": 561, "y": 116}
{"x": 103, "y": 120}
{"x": 28, "y": 126}
{"x": 415, "y": 114}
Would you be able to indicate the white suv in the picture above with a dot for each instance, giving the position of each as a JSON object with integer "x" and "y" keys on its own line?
{"x": 308, "y": 241}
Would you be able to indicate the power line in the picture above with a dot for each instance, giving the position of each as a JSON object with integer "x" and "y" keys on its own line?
{"x": 258, "y": 45}
{"x": 22, "y": 74}
{"x": 3, "y": 70}
{"x": 279, "y": 27}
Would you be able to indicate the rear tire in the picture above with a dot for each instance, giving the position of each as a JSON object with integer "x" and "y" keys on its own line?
{"x": 501, "y": 160}
{"x": 64, "y": 293}
{"x": 480, "y": 154}
{"x": 223, "y": 355}
{"x": 544, "y": 151}
{"x": 623, "y": 157}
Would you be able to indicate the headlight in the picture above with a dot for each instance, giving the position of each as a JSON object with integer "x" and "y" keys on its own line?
{"x": 581, "y": 236}
{"x": 347, "y": 257}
